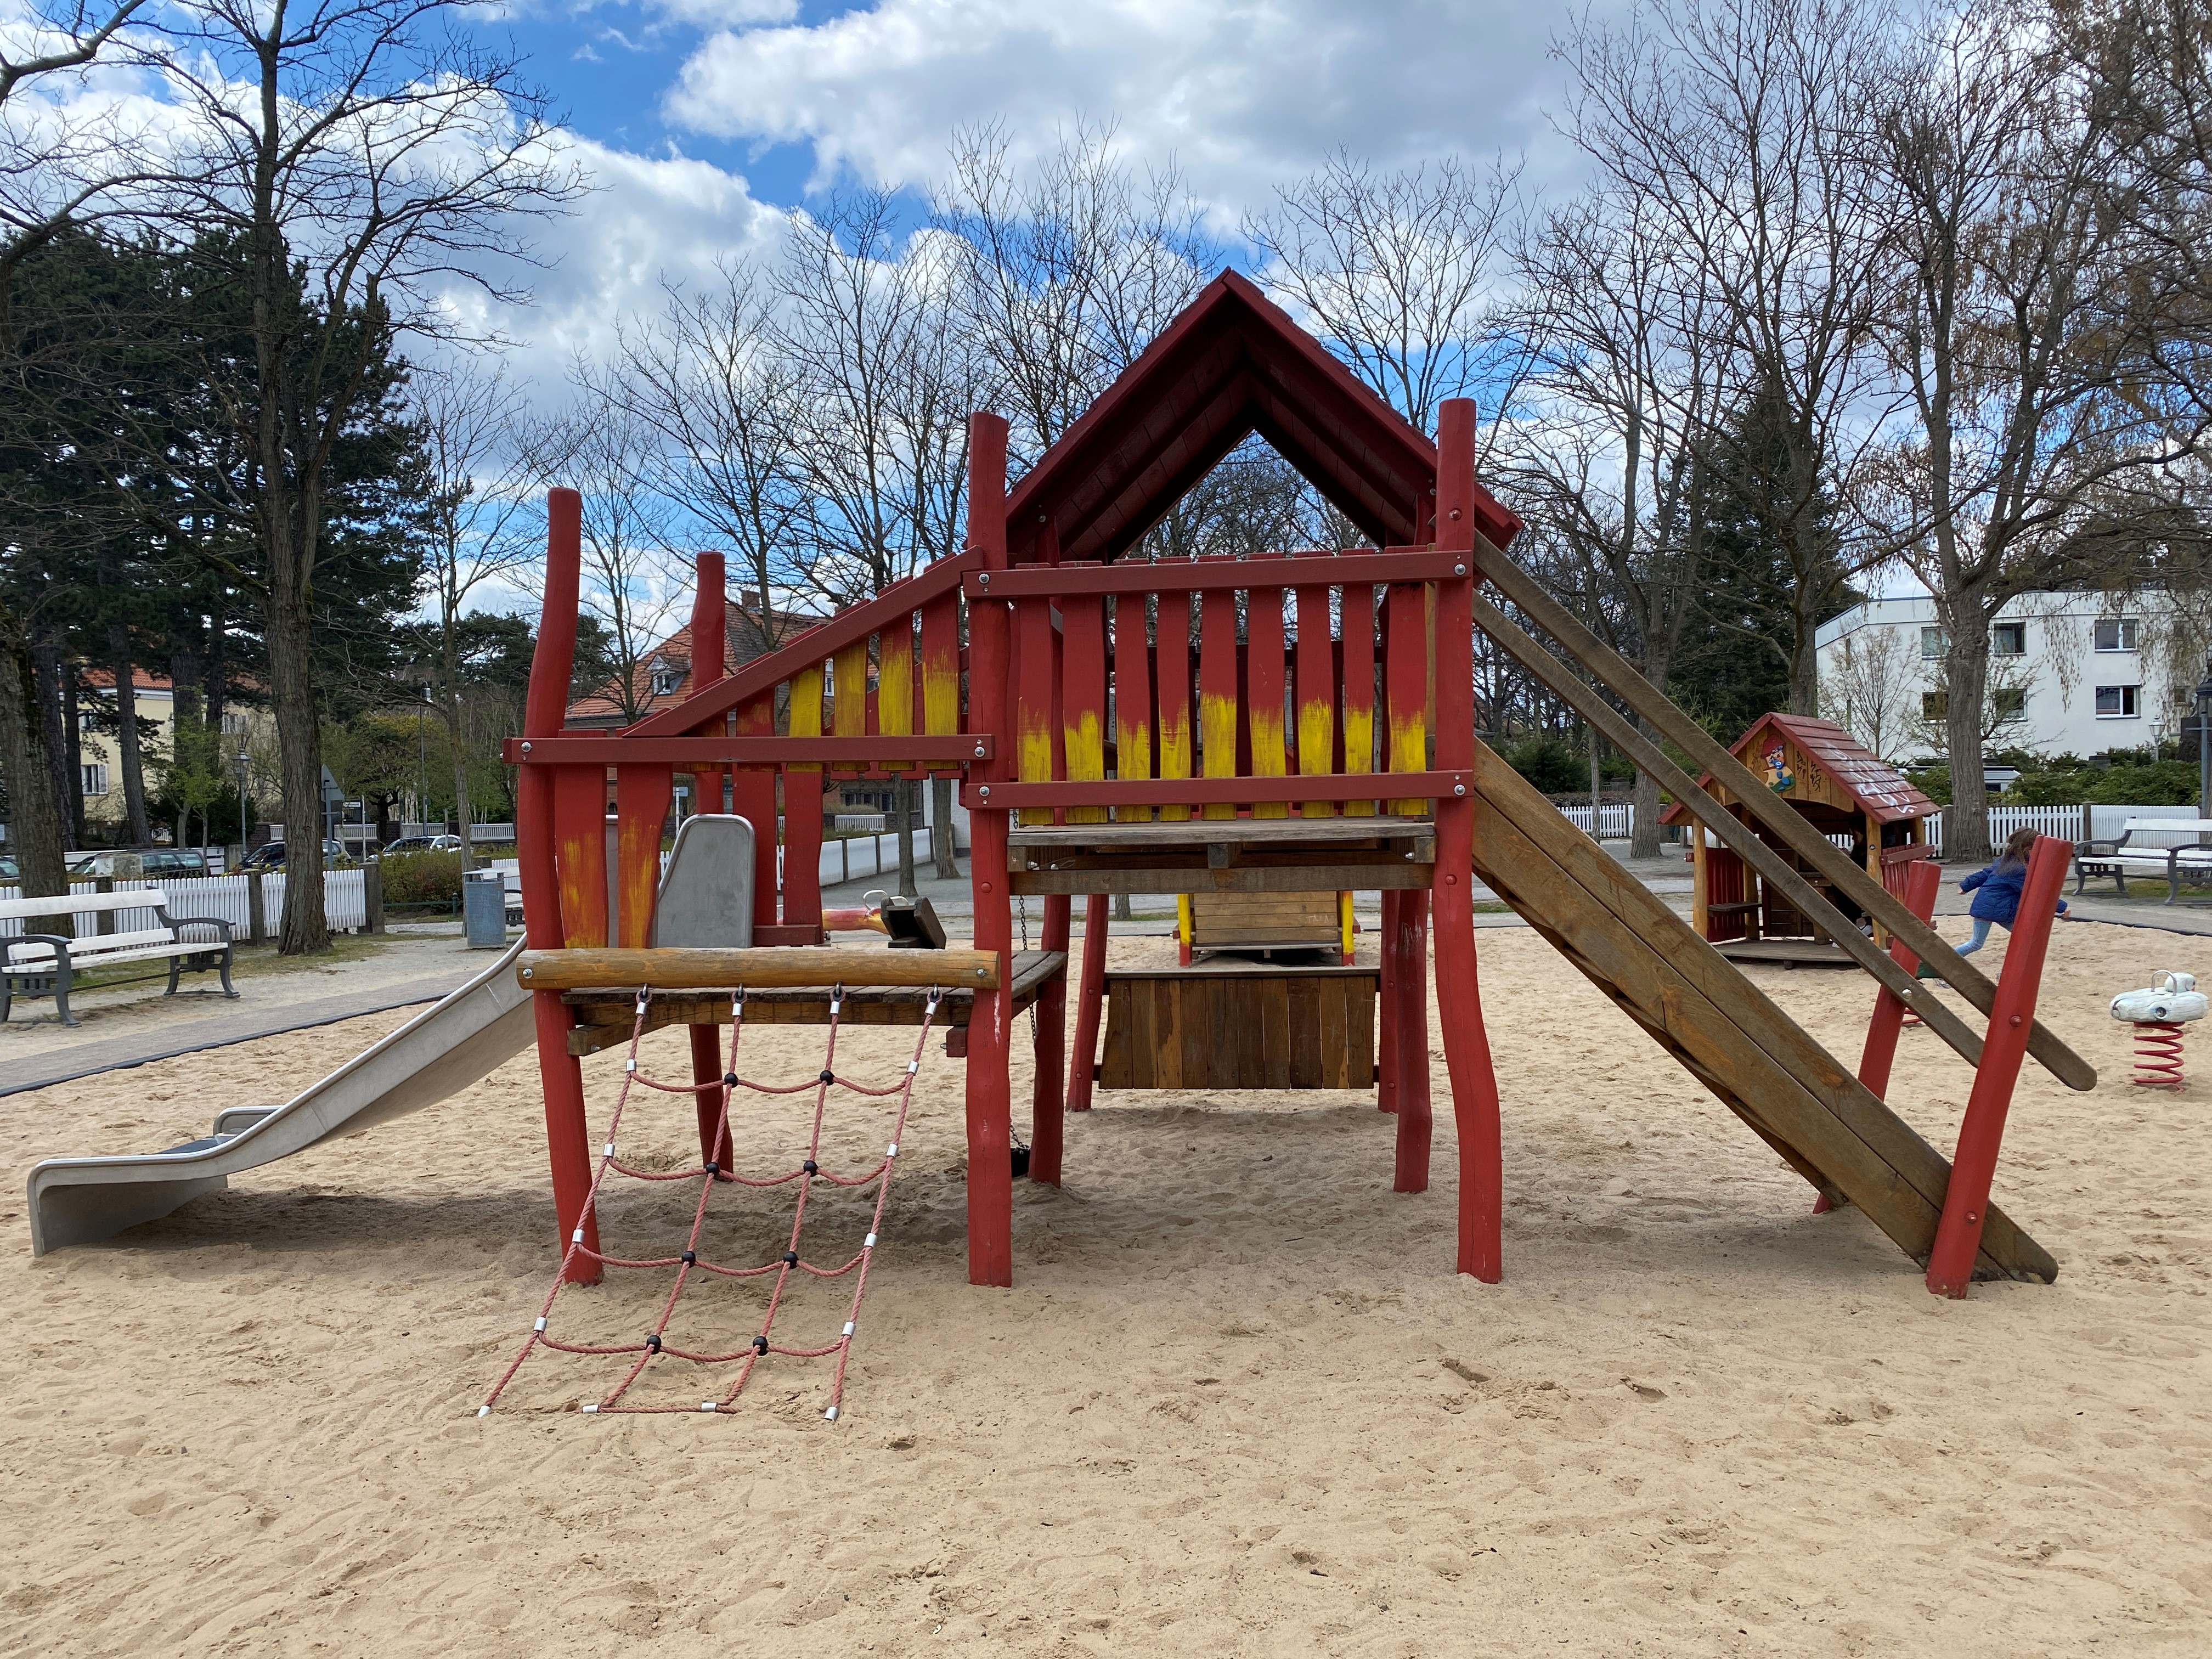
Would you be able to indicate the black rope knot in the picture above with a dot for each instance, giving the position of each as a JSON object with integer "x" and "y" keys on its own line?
{"x": 791, "y": 1258}
{"x": 653, "y": 1343}
{"x": 811, "y": 1167}
{"x": 729, "y": 1079}
{"x": 829, "y": 1076}
{"x": 760, "y": 1345}
{"x": 690, "y": 1258}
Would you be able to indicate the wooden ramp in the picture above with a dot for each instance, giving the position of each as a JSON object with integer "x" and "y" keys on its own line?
{"x": 1698, "y": 1007}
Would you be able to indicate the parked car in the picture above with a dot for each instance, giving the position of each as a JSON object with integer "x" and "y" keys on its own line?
{"x": 160, "y": 862}
{"x": 9, "y": 872}
{"x": 407, "y": 844}
{"x": 271, "y": 857}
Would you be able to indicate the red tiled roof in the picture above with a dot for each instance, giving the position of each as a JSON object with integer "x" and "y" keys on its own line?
{"x": 744, "y": 638}
{"x": 1878, "y": 789}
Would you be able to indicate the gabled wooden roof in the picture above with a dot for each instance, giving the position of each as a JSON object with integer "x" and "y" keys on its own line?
{"x": 1876, "y": 787}
{"x": 1231, "y": 364}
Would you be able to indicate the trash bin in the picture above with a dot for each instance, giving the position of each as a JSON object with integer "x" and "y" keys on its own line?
{"x": 484, "y": 909}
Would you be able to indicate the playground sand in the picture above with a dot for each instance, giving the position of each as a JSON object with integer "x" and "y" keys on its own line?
{"x": 1236, "y": 1402}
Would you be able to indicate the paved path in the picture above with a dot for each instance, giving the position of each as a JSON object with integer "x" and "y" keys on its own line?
{"x": 226, "y": 1022}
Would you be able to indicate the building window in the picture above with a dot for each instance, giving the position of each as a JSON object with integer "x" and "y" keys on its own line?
{"x": 94, "y": 777}
{"x": 2116, "y": 702}
{"x": 2008, "y": 701}
{"x": 1935, "y": 705}
{"x": 2009, "y": 640}
{"x": 664, "y": 680}
{"x": 1932, "y": 644}
{"x": 87, "y": 722}
{"x": 234, "y": 725}
{"x": 2116, "y": 633}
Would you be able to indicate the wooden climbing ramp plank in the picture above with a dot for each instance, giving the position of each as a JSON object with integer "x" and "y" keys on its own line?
{"x": 1754, "y": 1058}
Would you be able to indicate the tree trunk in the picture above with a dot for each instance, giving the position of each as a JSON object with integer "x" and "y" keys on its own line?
{"x": 946, "y": 866}
{"x": 1966, "y": 667}
{"x": 1805, "y": 606}
{"x": 461, "y": 796}
{"x": 1597, "y": 789}
{"x": 1644, "y": 833}
{"x": 61, "y": 784}
{"x": 137, "y": 829}
{"x": 35, "y": 827}
{"x": 73, "y": 735}
{"x": 306, "y": 926}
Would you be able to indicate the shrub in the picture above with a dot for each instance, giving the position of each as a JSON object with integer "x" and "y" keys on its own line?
{"x": 1550, "y": 764}
{"x": 422, "y": 878}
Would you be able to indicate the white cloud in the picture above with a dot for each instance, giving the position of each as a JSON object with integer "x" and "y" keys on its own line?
{"x": 1242, "y": 95}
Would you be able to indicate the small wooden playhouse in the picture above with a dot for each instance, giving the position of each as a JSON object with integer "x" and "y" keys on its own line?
{"x": 1853, "y": 798}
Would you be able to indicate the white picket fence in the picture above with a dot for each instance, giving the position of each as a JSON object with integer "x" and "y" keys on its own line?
{"x": 345, "y": 902}
{"x": 2066, "y": 823}
{"x": 1616, "y": 819}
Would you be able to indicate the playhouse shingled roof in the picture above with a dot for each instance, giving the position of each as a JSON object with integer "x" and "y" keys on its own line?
{"x": 1878, "y": 789}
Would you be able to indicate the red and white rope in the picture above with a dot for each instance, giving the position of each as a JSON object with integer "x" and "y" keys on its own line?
{"x": 747, "y": 1359}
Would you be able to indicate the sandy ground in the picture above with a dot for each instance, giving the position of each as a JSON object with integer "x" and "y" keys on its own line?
{"x": 1236, "y": 1402}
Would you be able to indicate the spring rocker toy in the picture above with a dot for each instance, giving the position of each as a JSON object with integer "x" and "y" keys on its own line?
{"x": 2158, "y": 1015}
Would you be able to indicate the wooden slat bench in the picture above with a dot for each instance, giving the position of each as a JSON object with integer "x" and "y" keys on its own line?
{"x": 47, "y": 964}
{"x": 2118, "y": 860}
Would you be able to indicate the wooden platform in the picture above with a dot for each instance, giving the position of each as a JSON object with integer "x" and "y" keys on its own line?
{"x": 1789, "y": 952}
{"x": 1224, "y": 856}
{"x": 1229, "y": 1025}
{"x": 604, "y": 1018}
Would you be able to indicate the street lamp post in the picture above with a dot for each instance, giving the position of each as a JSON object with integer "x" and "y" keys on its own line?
{"x": 245, "y": 808}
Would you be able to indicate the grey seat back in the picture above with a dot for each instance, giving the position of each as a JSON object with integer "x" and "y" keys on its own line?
{"x": 706, "y": 897}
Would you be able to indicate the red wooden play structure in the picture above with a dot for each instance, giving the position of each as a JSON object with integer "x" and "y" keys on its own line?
{"x": 1289, "y": 724}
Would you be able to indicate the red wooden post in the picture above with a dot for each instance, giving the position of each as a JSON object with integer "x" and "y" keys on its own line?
{"x": 990, "y": 1031}
{"x": 709, "y": 662}
{"x": 1317, "y": 694}
{"x": 2012, "y": 1013}
{"x": 1133, "y": 704}
{"x": 1048, "y": 1096}
{"x": 1359, "y": 689}
{"x": 1174, "y": 673}
{"x": 1921, "y": 882}
{"x": 752, "y": 798}
{"x": 1090, "y": 994}
{"x": 1411, "y": 1171}
{"x": 1386, "y": 1008}
{"x": 567, "y": 1135}
{"x": 1467, "y": 1043}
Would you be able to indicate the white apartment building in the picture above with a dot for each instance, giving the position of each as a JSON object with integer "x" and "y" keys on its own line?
{"x": 2070, "y": 672}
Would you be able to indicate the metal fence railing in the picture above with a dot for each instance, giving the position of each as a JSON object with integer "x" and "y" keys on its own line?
{"x": 225, "y": 898}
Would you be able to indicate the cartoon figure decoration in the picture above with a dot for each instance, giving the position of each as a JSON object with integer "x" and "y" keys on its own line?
{"x": 1779, "y": 777}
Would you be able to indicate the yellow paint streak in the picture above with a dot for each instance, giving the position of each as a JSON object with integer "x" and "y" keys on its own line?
{"x": 1033, "y": 750}
{"x": 1085, "y": 743}
{"x": 1175, "y": 758}
{"x": 1183, "y": 919}
{"x": 637, "y": 845}
{"x": 895, "y": 684}
{"x": 1344, "y": 922}
{"x": 1316, "y": 747}
{"x": 940, "y": 696}
{"x": 1133, "y": 745}
{"x": 806, "y": 710}
{"x": 1217, "y": 731}
{"x": 1358, "y": 755}
{"x": 1269, "y": 759}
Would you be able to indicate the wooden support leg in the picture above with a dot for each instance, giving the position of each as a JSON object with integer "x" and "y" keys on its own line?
{"x": 1048, "y": 1093}
{"x": 1467, "y": 1052}
{"x": 1888, "y": 1018}
{"x": 1090, "y": 993}
{"x": 1412, "y": 1174}
{"x": 714, "y": 1144}
{"x": 2012, "y": 1016}
{"x": 1386, "y": 1010}
{"x": 567, "y": 1136}
{"x": 990, "y": 1039}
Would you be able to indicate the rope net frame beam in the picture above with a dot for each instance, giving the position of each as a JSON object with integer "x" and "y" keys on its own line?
{"x": 710, "y": 1175}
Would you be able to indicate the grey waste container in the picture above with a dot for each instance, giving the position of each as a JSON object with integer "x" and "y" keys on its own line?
{"x": 484, "y": 909}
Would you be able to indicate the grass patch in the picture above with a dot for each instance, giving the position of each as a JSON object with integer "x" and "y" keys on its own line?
{"x": 247, "y": 962}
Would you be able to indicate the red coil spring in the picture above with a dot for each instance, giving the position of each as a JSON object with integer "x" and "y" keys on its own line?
{"x": 2158, "y": 1054}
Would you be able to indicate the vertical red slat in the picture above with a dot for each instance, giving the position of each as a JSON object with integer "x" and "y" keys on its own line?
{"x": 1217, "y": 683}
{"x": 1405, "y": 688}
{"x": 990, "y": 1031}
{"x": 2012, "y": 1016}
{"x": 1315, "y": 693}
{"x": 1468, "y": 1059}
{"x": 642, "y": 794}
{"x": 1264, "y": 701}
{"x": 1132, "y": 702}
{"x": 1410, "y": 1167}
{"x": 1033, "y": 696}
{"x": 1358, "y": 653}
{"x": 1083, "y": 697}
{"x": 709, "y": 662}
{"x": 1090, "y": 994}
{"x": 752, "y": 798}
{"x": 1173, "y": 694}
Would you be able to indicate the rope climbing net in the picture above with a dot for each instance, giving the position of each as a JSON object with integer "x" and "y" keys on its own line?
{"x": 655, "y": 1348}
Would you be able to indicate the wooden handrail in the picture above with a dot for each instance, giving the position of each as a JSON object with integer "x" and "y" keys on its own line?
{"x": 763, "y": 968}
{"x": 1209, "y": 575}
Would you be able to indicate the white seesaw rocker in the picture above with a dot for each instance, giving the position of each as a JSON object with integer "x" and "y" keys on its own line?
{"x": 2158, "y": 1015}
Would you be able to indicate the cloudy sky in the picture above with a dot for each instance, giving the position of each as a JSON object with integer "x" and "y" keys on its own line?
{"x": 700, "y": 118}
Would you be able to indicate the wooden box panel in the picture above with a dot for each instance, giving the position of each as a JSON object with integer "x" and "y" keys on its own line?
{"x": 1218, "y": 920}
{"x": 1202, "y": 1028}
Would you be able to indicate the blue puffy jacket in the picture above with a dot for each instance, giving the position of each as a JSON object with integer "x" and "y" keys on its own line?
{"x": 1998, "y": 901}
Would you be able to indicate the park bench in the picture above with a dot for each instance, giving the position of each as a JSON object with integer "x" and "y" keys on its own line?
{"x": 2119, "y": 859}
{"x": 47, "y": 964}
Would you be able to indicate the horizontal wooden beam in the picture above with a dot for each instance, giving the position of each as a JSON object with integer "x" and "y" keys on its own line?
{"x": 1213, "y": 792}
{"x": 947, "y": 752}
{"x": 681, "y": 969}
{"x": 1239, "y": 878}
{"x": 1306, "y": 833}
{"x": 1788, "y": 826}
{"x": 1208, "y": 575}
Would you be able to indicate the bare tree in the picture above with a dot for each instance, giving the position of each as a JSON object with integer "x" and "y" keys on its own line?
{"x": 1872, "y": 689}
{"x": 712, "y": 376}
{"x": 1403, "y": 274}
{"x": 2026, "y": 327}
{"x": 481, "y": 529}
{"x": 358, "y": 156}
{"x": 1732, "y": 125}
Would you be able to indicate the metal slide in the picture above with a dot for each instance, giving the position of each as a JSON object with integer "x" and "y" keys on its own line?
{"x": 443, "y": 1049}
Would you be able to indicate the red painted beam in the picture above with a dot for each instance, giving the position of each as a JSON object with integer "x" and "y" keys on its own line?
{"x": 734, "y": 750}
{"x": 1212, "y": 792}
{"x": 1181, "y": 576}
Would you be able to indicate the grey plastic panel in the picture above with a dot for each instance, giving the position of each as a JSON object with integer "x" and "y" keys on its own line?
{"x": 706, "y": 897}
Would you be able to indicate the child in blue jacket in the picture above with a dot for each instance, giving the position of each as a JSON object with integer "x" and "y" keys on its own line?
{"x": 1997, "y": 889}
